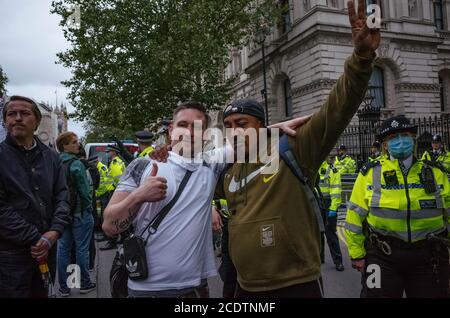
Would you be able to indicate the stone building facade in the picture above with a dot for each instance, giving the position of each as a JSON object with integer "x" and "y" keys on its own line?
{"x": 305, "y": 56}
{"x": 53, "y": 123}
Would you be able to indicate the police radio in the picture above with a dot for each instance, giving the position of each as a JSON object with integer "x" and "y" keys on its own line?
{"x": 427, "y": 179}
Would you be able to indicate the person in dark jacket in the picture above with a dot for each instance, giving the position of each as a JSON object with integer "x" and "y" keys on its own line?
{"x": 34, "y": 207}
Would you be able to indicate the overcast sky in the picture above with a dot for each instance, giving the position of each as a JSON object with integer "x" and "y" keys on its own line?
{"x": 30, "y": 38}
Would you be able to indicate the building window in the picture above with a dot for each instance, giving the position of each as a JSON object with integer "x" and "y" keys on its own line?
{"x": 307, "y": 5}
{"x": 376, "y": 88}
{"x": 438, "y": 15}
{"x": 441, "y": 84}
{"x": 333, "y": 3}
{"x": 288, "y": 98}
{"x": 412, "y": 8}
{"x": 238, "y": 62}
{"x": 285, "y": 16}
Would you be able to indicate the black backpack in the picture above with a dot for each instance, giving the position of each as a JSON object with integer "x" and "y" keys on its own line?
{"x": 71, "y": 188}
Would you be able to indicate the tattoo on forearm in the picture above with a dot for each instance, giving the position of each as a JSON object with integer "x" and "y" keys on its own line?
{"x": 123, "y": 224}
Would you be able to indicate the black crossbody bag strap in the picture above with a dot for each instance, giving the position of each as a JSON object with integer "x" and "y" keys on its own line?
{"x": 152, "y": 227}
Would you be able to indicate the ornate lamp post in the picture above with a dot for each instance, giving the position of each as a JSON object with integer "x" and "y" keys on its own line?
{"x": 261, "y": 39}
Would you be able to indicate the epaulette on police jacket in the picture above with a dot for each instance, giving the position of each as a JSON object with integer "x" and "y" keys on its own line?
{"x": 368, "y": 166}
{"x": 435, "y": 164}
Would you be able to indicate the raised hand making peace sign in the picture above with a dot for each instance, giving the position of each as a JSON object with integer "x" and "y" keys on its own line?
{"x": 365, "y": 39}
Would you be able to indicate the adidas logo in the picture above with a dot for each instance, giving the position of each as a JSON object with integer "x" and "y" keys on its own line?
{"x": 131, "y": 268}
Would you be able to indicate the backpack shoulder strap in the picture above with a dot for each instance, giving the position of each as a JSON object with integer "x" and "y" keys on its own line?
{"x": 289, "y": 158}
{"x": 137, "y": 169}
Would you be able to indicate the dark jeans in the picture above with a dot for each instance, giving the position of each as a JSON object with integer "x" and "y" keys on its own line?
{"x": 227, "y": 271}
{"x": 80, "y": 234}
{"x": 307, "y": 290}
{"x": 104, "y": 201}
{"x": 20, "y": 276}
{"x": 333, "y": 240}
{"x": 408, "y": 270}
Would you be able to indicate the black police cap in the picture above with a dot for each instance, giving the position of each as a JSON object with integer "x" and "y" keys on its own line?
{"x": 113, "y": 148}
{"x": 396, "y": 124}
{"x": 144, "y": 136}
{"x": 437, "y": 139}
{"x": 342, "y": 147}
{"x": 376, "y": 144}
{"x": 245, "y": 106}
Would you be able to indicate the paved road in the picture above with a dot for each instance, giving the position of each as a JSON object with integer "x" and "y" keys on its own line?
{"x": 336, "y": 284}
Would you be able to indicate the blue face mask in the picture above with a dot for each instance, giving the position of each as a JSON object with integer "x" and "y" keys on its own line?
{"x": 401, "y": 147}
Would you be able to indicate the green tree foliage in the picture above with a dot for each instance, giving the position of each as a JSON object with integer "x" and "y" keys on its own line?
{"x": 134, "y": 60}
{"x": 98, "y": 132}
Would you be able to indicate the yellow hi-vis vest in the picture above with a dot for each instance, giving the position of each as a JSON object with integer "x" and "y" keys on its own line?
{"x": 146, "y": 152}
{"x": 116, "y": 169}
{"x": 377, "y": 158}
{"x": 223, "y": 207}
{"x": 443, "y": 158}
{"x": 394, "y": 205}
{"x": 330, "y": 185}
{"x": 106, "y": 184}
{"x": 346, "y": 165}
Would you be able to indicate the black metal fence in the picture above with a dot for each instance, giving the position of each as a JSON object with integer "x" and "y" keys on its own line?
{"x": 359, "y": 138}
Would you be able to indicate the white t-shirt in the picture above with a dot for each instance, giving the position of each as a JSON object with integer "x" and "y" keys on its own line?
{"x": 181, "y": 253}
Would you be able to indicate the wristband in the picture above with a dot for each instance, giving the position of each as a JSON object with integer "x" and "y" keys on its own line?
{"x": 46, "y": 240}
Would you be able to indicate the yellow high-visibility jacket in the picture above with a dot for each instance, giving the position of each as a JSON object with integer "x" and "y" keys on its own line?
{"x": 106, "y": 184}
{"x": 378, "y": 158}
{"x": 330, "y": 185}
{"x": 116, "y": 169}
{"x": 146, "y": 152}
{"x": 443, "y": 158}
{"x": 345, "y": 165}
{"x": 394, "y": 205}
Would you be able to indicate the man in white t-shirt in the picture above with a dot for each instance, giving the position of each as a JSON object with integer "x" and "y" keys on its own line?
{"x": 180, "y": 255}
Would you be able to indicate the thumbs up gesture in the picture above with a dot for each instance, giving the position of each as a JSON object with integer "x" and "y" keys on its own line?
{"x": 153, "y": 189}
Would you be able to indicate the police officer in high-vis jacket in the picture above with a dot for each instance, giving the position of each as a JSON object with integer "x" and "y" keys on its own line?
{"x": 397, "y": 220}
{"x": 375, "y": 152}
{"x": 343, "y": 162}
{"x": 144, "y": 139}
{"x": 115, "y": 170}
{"x": 116, "y": 165}
{"x": 438, "y": 153}
{"x": 330, "y": 186}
